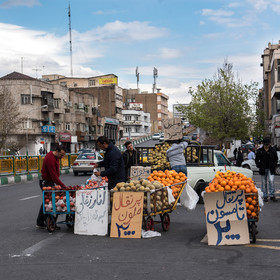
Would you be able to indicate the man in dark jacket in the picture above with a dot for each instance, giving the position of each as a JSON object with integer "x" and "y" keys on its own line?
{"x": 266, "y": 161}
{"x": 113, "y": 163}
{"x": 129, "y": 158}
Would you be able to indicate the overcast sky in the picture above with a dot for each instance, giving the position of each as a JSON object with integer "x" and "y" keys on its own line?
{"x": 186, "y": 40}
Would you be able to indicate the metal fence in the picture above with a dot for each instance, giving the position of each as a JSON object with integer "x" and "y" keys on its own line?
{"x": 15, "y": 165}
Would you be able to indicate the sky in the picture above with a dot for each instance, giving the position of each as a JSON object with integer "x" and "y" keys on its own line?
{"x": 185, "y": 40}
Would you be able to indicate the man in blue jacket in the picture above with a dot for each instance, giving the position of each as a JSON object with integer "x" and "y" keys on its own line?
{"x": 113, "y": 163}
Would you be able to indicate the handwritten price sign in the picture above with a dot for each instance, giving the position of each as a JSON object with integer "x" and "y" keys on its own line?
{"x": 127, "y": 214}
{"x": 140, "y": 172}
{"x": 172, "y": 129}
{"x": 226, "y": 218}
{"x": 91, "y": 216}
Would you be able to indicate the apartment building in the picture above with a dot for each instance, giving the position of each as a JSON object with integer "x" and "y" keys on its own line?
{"x": 271, "y": 90}
{"x": 136, "y": 123}
{"x": 52, "y": 115}
{"x": 154, "y": 103}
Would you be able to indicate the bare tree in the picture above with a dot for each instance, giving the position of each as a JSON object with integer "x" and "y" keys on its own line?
{"x": 10, "y": 118}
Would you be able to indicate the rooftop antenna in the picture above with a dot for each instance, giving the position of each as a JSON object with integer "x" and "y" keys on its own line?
{"x": 70, "y": 40}
{"x": 36, "y": 69}
{"x": 137, "y": 77}
{"x": 22, "y": 65}
{"x": 155, "y": 76}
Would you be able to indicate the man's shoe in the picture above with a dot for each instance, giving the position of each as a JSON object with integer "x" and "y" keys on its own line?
{"x": 43, "y": 226}
{"x": 265, "y": 199}
{"x": 273, "y": 198}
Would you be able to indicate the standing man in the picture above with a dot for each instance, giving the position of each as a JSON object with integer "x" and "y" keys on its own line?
{"x": 129, "y": 158}
{"x": 113, "y": 163}
{"x": 50, "y": 177}
{"x": 251, "y": 154}
{"x": 266, "y": 161}
{"x": 176, "y": 157}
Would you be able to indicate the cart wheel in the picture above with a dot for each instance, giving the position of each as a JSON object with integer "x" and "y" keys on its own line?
{"x": 165, "y": 221}
{"x": 253, "y": 232}
{"x": 70, "y": 219}
{"x": 150, "y": 223}
{"x": 50, "y": 223}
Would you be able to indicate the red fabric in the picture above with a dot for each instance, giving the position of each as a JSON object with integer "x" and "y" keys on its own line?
{"x": 50, "y": 169}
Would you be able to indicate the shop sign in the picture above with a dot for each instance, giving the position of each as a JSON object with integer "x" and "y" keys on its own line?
{"x": 64, "y": 137}
{"x": 226, "y": 218}
{"x": 108, "y": 81}
{"x": 172, "y": 129}
{"x": 74, "y": 139}
{"x": 47, "y": 128}
{"x": 111, "y": 121}
{"x": 140, "y": 172}
{"x": 91, "y": 215}
{"x": 127, "y": 214}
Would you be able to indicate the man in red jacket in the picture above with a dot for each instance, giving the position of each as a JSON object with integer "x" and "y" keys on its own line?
{"x": 50, "y": 177}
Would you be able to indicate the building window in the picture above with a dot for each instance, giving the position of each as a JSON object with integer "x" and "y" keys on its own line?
{"x": 27, "y": 124}
{"x": 127, "y": 118}
{"x": 278, "y": 70}
{"x": 25, "y": 99}
{"x": 64, "y": 84}
{"x": 86, "y": 108}
{"x": 91, "y": 83}
{"x": 56, "y": 103}
{"x": 67, "y": 126}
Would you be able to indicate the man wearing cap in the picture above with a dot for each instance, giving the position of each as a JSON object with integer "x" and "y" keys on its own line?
{"x": 266, "y": 161}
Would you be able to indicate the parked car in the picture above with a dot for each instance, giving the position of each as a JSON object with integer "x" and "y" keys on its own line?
{"x": 156, "y": 136}
{"x": 251, "y": 164}
{"x": 161, "y": 138}
{"x": 85, "y": 161}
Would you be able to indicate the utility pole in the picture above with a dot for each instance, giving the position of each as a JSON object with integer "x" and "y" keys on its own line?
{"x": 70, "y": 40}
{"x": 155, "y": 76}
{"x": 137, "y": 77}
{"x": 21, "y": 65}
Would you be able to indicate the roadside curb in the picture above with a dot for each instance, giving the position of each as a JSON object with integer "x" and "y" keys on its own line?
{"x": 11, "y": 179}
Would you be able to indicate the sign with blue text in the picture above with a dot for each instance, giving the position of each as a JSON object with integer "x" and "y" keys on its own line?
{"x": 226, "y": 218}
{"x": 140, "y": 172}
{"x": 127, "y": 214}
{"x": 91, "y": 215}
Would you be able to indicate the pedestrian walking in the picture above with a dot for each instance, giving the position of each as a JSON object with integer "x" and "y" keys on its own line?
{"x": 266, "y": 161}
{"x": 251, "y": 154}
{"x": 239, "y": 158}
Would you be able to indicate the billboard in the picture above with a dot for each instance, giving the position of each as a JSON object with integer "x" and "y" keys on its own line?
{"x": 108, "y": 81}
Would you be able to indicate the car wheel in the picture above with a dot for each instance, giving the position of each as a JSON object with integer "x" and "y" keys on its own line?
{"x": 76, "y": 173}
{"x": 277, "y": 170}
{"x": 246, "y": 166}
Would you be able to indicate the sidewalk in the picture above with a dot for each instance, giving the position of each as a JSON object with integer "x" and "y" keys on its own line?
{"x": 10, "y": 179}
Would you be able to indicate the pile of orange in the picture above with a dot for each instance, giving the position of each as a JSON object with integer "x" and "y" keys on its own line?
{"x": 168, "y": 178}
{"x": 231, "y": 181}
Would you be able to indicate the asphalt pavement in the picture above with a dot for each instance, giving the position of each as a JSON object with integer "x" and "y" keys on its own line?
{"x": 30, "y": 253}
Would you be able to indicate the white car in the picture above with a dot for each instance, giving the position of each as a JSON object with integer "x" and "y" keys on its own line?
{"x": 156, "y": 136}
{"x": 251, "y": 164}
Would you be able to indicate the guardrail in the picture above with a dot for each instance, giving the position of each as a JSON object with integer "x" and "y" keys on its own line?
{"x": 135, "y": 142}
{"x": 16, "y": 165}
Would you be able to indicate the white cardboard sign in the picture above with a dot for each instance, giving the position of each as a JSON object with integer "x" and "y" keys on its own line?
{"x": 172, "y": 129}
{"x": 226, "y": 218}
{"x": 140, "y": 172}
{"x": 91, "y": 215}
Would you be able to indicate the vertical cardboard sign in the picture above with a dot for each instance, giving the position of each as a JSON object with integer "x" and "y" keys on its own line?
{"x": 226, "y": 218}
{"x": 91, "y": 215}
{"x": 172, "y": 129}
{"x": 127, "y": 214}
{"x": 140, "y": 172}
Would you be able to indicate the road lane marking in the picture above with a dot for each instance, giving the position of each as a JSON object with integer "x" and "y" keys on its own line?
{"x": 30, "y": 197}
{"x": 264, "y": 246}
{"x": 269, "y": 240}
{"x": 28, "y": 252}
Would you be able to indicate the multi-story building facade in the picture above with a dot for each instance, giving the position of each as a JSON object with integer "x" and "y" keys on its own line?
{"x": 136, "y": 122}
{"x": 154, "y": 103}
{"x": 52, "y": 115}
{"x": 271, "y": 90}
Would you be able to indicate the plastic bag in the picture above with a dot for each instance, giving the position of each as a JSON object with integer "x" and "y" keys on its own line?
{"x": 150, "y": 233}
{"x": 170, "y": 195}
{"x": 260, "y": 197}
{"x": 94, "y": 177}
{"x": 189, "y": 197}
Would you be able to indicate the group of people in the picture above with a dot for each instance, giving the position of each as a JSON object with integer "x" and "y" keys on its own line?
{"x": 266, "y": 160}
{"x": 116, "y": 166}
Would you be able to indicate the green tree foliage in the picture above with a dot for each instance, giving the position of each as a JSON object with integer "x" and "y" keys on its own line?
{"x": 221, "y": 106}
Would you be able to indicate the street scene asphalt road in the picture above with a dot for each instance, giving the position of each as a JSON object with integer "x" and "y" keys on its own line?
{"x": 30, "y": 253}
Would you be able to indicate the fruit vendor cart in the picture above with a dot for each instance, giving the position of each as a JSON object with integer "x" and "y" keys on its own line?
{"x": 156, "y": 204}
{"x": 253, "y": 209}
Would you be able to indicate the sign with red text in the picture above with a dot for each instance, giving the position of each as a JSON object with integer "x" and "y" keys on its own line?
{"x": 226, "y": 218}
{"x": 91, "y": 215}
{"x": 127, "y": 214}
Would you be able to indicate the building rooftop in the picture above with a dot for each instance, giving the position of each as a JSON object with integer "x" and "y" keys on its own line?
{"x": 17, "y": 76}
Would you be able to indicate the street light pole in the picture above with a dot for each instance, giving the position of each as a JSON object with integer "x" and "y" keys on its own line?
{"x": 44, "y": 106}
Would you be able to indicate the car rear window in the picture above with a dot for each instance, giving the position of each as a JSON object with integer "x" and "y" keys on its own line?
{"x": 87, "y": 156}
